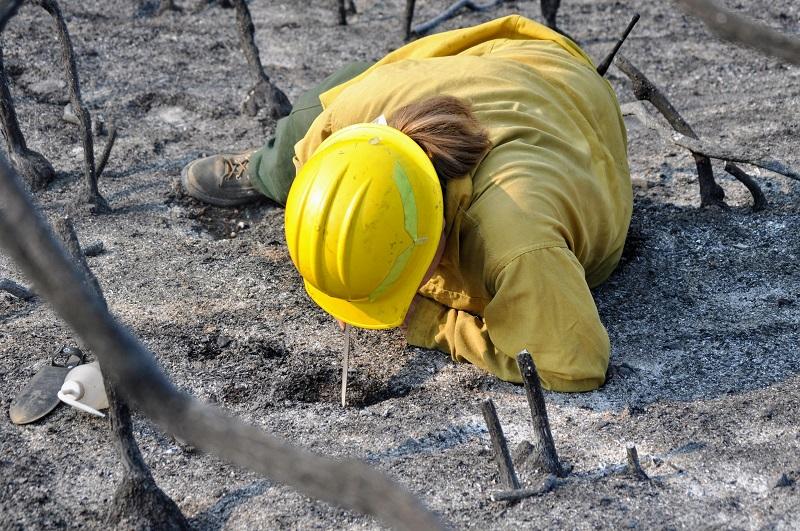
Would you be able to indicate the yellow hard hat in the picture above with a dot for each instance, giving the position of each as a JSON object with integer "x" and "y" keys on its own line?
{"x": 363, "y": 221}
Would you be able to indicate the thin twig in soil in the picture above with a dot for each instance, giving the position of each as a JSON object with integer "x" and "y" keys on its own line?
{"x": 499, "y": 445}
{"x": 543, "y": 453}
{"x": 450, "y": 12}
{"x": 264, "y": 93}
{"x": 710, "y": 192}
{"x": 137, "y": 498}
{"x": 634, "y": 468}
{"x": 17, "y": 290}
{"x": 743, "y": 30}
{"x": 604, "y": 66}
{"x": 548, "y": 484}
{"x": 759, "y": 200}
{"x": 33, "y": 166}
{"x": 91, "y": 194}
{"x": 28, "y": 241}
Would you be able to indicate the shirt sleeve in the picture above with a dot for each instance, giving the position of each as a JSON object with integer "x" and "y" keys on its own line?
{"x": 543, "y": 304}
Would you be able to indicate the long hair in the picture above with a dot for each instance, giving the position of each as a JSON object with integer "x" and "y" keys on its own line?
{"x": 446, "y": 128}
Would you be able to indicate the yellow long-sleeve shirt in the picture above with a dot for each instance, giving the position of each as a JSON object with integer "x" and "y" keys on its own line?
{"x": 544, "y": 216}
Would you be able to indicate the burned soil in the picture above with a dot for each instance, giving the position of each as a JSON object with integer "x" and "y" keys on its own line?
{"x": 703, "y": 312}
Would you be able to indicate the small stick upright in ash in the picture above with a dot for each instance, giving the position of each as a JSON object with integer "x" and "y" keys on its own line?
{"x": 499, "y": 445}
{"x": 542, "y": 451}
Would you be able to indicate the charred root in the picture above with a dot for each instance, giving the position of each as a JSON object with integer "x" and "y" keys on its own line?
{"x": 31, "y": 165}
{"x": 138, "y": 502}
{"x": 759, "y": 199}
{"x": 264, "y": 94}
{"x": 17, "y": 290}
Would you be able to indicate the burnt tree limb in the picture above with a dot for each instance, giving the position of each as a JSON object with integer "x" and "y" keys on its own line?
{"x": 17, "y": 290}
{"x": 540, "y": 453}
{"x": 547, "y": 485}
{"x": 759, "y": 199}
{"x": 90, "y": 194}
{"x": 34, "y": 168}
{"x": 409, "y": 17}
{"x": 711, "y": 193}
{"x": 264, "y": 94}
{"x": 426, "y": 27}
{"x": 743, "y": 30}
{"x": 606, "y": 64}
{"x": 138, "y": 502}
{"x": 501, "y": 455}
{"x": 26, "y": 238}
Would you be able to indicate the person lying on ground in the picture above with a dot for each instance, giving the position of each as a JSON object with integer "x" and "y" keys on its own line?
{"x": 472, "y": 186}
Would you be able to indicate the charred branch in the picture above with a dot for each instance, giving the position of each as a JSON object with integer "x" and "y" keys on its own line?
{"x": 425, "y": 27}
{"x": 31, "y": 165}
{"x": 410, "y": 5}
{"x": 499, "y": 445}
{"x": 634, "y": 468}
{"x": 759, "y": 200}
{"x": 112, "y": 137}
{"x": 550, "y": 12}
{"x": 710, "y": 192}
{"x": 548, "y": 484}
{"x": 17, "y": 290}
{"x": 744, "y": 31}
{"x": 604, "y": 66}
{"x": 131, "y": 368}
{"x": 138, "y": 502}
{"x": 541, "y": 451}
{"x": 91, "y": 194}
{"x": 264, "y": 93}
{"x": 704, "y": 148}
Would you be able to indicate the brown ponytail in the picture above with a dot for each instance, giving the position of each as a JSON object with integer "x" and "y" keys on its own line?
{"x": 447, "y": 130}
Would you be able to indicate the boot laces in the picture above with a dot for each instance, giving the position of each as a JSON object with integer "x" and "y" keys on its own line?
{"x": 235, "y": 168}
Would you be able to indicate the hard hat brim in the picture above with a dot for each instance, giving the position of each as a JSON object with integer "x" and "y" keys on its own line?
{"x": 387, "y": 312}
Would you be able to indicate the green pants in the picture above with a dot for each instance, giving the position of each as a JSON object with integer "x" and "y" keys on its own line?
{"x": 271, "y": 168}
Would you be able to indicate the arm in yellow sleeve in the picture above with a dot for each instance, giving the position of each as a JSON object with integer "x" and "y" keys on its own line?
{"x": 542, "y": 303}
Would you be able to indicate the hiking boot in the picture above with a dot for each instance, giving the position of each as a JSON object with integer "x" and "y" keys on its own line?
{"x": 220, "y": 180}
